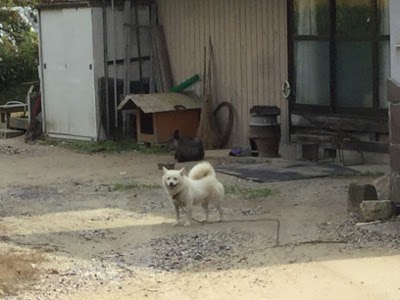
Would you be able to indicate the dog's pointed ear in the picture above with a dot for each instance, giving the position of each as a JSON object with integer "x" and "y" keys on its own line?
{"x": 182, "y": 171}
{"x": 165, "y": 170}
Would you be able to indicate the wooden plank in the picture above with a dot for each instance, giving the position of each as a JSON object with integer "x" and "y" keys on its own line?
{"x": 133, "y": 59}
{"x": 267, "y": 25}
{"x": 138, "y": 44}
{"x": 202, "y": 43}
{"x": 232, "y": 71}
{"x": 275, "y": 52}
{"x": 127, "y": 37}
{"x": 153, "y": 18}
{"x": 197, "y": 45}
{"x": 247, "y": 71}
{"x": 156, "y": 67}
{"x": 163, "y": 60}
{"x": 284, "y": 104}
{"x": 338, "y": 123}
{"x": 242, "y": 64}
{"x": 260, "y": 54}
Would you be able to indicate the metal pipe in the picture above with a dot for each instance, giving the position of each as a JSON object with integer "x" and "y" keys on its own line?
{"x": 115, "y": 65}
{"x": 43, "y": 106}
{"x": 105, "y": 44}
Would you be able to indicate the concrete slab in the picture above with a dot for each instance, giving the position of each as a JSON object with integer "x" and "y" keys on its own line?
{"x": 10, "y": 133}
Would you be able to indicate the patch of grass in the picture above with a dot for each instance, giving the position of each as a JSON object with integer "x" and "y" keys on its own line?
{"x": 17, "y": 268}
{"x": 359, "y": 174}
{"x": 105, "y": 146}
{"x": 250, "y": 193}
{"x": 120, "y": 187}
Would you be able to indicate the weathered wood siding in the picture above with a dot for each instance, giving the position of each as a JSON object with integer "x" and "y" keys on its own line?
{"x": 250, "y": 47}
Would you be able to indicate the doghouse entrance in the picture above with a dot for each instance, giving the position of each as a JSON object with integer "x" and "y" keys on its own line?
{"x": 146, "y": 123}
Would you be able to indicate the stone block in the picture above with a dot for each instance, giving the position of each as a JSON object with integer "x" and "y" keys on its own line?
{"x": 382, "y": 185}
{"x": 358, "y": 193}
{"x": 377, "y": 210}
{"x": 394, "y": 123}
{"x": 395, "y": 187}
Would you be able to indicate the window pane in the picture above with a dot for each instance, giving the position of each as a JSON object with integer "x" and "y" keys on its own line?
{"x": 311, "y": 17}
{"x": 354, "y": 74}
{"x": 354, "y": 18}
{"x": 384, "y": 72}
{"x": 312, "y": 72}
{"x": 383, "y": 6}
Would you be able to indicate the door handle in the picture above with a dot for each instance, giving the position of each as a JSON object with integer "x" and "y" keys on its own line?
{"x": 286, "y": 89}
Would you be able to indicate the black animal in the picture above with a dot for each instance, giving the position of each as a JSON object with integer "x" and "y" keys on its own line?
{"x": 186, "y": 149}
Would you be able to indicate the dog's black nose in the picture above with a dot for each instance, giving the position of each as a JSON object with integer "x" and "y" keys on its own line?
{"x": 171, "y": 184}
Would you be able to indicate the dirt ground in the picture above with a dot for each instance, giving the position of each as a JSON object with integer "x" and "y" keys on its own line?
{"x": 97, "y": 226}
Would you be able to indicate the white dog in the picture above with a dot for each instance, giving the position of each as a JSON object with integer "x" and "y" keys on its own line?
{"x": 200, "y": 187}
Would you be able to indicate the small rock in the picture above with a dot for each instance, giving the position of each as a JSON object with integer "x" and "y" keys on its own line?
{"x": 377, "y": 210}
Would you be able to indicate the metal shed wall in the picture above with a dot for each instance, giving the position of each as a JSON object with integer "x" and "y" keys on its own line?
{"x": 250, "y": 46}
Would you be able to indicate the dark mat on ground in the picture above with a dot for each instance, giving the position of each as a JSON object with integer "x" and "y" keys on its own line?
{"x": 284, "y": 171}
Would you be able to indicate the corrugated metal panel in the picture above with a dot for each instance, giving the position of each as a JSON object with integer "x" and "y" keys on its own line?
{"x": 250, "y": 51}
{"x": 153, "y": 103}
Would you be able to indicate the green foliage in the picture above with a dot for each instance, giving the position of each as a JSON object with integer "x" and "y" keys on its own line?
{"x": 354, "y": 19}
{"x": 126, "y": 187}
{"x": 18, "y": 49}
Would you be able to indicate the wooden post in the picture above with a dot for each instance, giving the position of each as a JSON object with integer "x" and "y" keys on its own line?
{"x": 139, "y": 52}
{"x": 127, "y": 34}
{"x": 153, "y": 12}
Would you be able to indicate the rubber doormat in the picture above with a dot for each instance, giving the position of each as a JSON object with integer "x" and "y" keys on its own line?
{"x": 284, "y": 171}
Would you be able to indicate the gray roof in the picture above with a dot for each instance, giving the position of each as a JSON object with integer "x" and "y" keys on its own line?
{"x": 53, "y": 4}
{"x": 63, "y": 3}
{"x": 161, "y": 102}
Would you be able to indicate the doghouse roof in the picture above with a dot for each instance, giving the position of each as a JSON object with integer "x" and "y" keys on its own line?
{"x": 161, "y": 102}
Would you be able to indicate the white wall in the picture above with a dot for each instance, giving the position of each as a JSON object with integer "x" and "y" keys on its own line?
{"x": 98, "y": 58}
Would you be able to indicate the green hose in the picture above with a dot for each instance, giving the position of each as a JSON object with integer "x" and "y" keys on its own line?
{"x": 185, "y": 84}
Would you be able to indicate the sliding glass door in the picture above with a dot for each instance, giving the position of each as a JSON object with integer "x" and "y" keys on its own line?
{"x": 339, "y": 55}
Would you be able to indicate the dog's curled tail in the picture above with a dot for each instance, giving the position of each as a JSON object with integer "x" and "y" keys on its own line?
{"x": 201, "y": 170}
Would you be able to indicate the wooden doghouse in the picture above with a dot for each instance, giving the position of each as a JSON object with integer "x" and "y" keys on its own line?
{"x": 158, "y": 115}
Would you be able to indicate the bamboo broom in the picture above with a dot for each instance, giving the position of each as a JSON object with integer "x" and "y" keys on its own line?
{"x": 206, "y": 131}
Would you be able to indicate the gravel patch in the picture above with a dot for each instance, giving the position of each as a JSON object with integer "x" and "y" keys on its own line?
{"x": 182, "y": 252}
{"x": 10, "y": 150}
{"x": 67, "y": 282}
{"x": 358, "y": 237}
